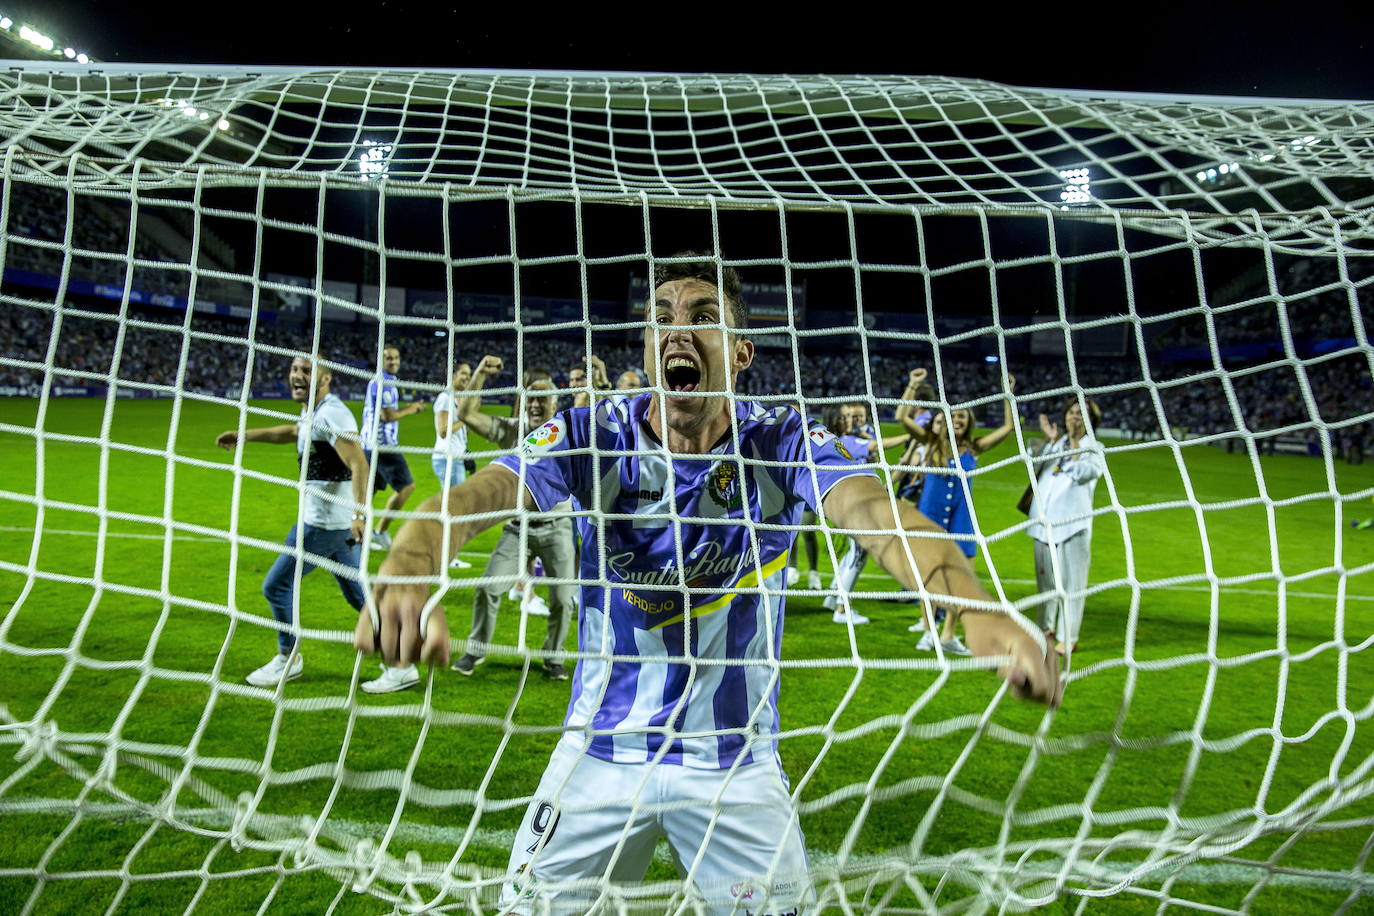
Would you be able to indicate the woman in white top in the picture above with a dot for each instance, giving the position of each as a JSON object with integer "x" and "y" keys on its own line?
{"x": 1067, "y": 468}
{"x": 450, "y": 432}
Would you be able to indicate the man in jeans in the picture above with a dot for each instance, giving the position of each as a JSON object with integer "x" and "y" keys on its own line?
{"x": 333, "y": 522}
{"x": 549, "y": 539}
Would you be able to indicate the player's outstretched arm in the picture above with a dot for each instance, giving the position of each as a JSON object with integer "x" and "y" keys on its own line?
{"x": 395, "y": 623}
{"x": 862, "y": 503}
{"x": 469, "y": 403}
{"x": 1009, "y": 418}
{"x": 274, "y": 434}
{"x": 906, "y": 411}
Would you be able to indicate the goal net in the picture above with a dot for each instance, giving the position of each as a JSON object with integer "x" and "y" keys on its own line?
{"x": 1198, "y": 268}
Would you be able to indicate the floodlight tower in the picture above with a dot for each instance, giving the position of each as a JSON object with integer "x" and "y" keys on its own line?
{"x": 1077, "y": 188}
{"x": 374, "y": 165}
{"x": 1077, "y": 192}
{"x": 374, "y": 161}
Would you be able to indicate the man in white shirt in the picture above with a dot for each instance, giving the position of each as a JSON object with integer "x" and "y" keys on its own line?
{"x": 1061, "y": 521}
{"x": 326, "y": 441}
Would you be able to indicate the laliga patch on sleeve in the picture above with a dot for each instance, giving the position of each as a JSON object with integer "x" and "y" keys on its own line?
{"x": 542, "y": 440}
{"x": 819, "y": 436}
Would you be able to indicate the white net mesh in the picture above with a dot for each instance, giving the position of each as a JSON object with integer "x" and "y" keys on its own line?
{"x": 172, "y": 239}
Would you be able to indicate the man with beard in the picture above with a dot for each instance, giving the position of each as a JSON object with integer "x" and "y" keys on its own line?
{"x": 694, "y": 498}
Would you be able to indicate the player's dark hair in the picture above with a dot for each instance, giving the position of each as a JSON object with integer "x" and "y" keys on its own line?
{"x": 1094, "y": 412}
{"x": 708, "y": 270}
{"x": 316, "y": 364}
{"x": 535, "y": 375}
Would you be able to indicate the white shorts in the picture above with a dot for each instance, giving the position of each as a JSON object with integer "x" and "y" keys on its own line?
{"x": 592, "y": 823}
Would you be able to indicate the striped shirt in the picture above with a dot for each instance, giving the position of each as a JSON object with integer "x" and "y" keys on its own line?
{"x": 667, "y": 556}
{"x": 381, "y": 392}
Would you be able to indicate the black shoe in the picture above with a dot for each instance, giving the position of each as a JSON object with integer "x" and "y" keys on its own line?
{"x": 555, "y": 672}
{"x": 465, "y": 664}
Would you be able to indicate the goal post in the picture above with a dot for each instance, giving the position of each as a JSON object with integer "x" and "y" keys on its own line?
{"x": 1200, "y": 268}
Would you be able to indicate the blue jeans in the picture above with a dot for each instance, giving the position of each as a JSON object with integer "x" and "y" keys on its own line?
{"x": 279, "y": 585}
{"x": 454, "y": 469}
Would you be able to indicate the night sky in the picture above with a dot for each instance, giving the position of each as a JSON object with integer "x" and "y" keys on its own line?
{"x": 1198, "y": 48}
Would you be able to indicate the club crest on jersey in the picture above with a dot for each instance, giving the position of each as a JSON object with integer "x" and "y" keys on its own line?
{"x": 723, "y": 485}
{"x": 742, "y": 891}
{"x": 543, "y": 439}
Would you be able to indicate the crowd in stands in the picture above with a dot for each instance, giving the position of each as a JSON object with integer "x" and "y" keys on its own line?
{"x": 1194, "y": 400}
{"x": 1316, "y": 304}
{"x": 1191, "y": 400}
{"x": 40, "y": 213}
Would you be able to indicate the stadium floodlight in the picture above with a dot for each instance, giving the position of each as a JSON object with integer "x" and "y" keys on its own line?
{"x": 69, "y": 53}
{"x": 374, "y": 161}
{"x": 36, "y": 38}
{"x": 6, "y": 22}
{"x": 222, "y": 124}
{"x": 82, "y": 59}
{"x": 1077, "y": 186}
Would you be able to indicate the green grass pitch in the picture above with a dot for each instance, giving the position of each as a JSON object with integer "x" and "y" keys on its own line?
{"x": 1243, "y": 704}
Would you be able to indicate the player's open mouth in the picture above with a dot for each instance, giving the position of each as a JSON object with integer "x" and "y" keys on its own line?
{"x": 681, "y": 374}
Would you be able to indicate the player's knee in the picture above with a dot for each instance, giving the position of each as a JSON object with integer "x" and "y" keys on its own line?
{"x": 276, "y": 589}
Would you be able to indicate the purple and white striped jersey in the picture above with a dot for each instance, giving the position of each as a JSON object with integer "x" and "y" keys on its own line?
{"x": 381, "y": 392}
{"x": 669, "y": 547}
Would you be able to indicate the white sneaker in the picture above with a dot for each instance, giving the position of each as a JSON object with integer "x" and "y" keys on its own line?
{"x": 955, "y": 647}
{"x": 381, "y": 540}
{"x": 460, "y": 563}
{"x": 917, "y": 627}
{"x": 534, "y": 606}
{"x": 831, "y": 603}
{"x": 813, "y": 580}
{"x": 516, "y": 594}
{"x": 793, "y": 576}
{"x": 849, "y": 615}
{"x": 927, "y": 644}
{"x": 392, "y": 680}
{"x": 271, "y": 673}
